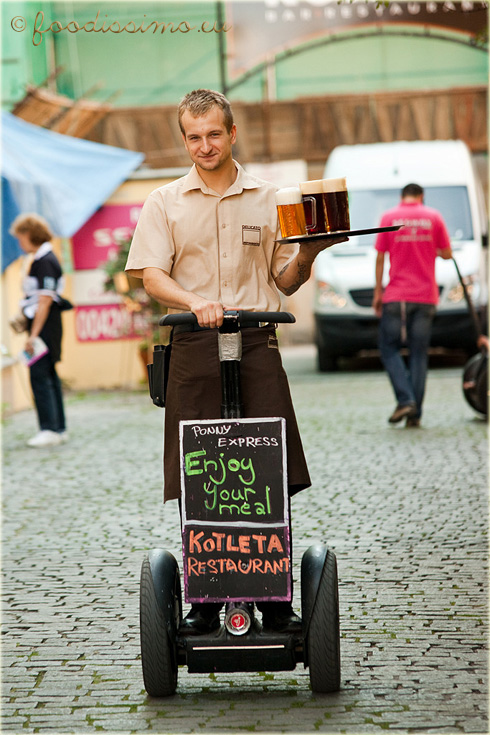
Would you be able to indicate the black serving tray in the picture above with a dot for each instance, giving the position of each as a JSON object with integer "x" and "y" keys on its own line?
{"x": 339, "y": 233}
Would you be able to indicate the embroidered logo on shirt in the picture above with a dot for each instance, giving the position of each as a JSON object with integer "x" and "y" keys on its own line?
{"x": 251, "y": 235}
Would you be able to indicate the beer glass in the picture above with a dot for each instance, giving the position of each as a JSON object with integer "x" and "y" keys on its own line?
{"x": 336, "y": 205}
{"x": 291, "y": 212}
{"x": 312, "y": 192}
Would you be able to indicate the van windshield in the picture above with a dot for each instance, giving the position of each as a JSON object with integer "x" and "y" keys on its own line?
{"x": 367, "y": 207}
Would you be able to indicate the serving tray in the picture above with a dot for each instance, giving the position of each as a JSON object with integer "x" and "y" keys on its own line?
{"x": 339, "y": 233}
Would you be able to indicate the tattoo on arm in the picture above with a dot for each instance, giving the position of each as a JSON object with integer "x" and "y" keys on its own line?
{"x": 303, "y": 272}
{"x": 281, "y": 273}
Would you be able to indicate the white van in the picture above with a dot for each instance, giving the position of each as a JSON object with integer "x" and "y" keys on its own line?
{"x": 345, "y": 322}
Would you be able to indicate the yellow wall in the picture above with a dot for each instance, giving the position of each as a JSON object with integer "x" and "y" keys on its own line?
{"x": 16, "y": 391}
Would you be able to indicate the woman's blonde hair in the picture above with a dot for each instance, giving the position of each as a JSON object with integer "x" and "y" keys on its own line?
{"x": 32, "y": 225}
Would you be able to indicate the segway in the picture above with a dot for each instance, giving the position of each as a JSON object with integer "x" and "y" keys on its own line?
{"x": 236, "y": 546}
{"x": 475, "y": 373}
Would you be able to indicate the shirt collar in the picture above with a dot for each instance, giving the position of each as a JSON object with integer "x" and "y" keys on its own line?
{"x": 43, "y": 250}
{"x": 243, "y": 181}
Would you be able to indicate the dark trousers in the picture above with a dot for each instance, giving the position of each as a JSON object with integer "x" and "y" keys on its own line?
{"x": 406, "y": 324}
{"x": 48, "y": 397}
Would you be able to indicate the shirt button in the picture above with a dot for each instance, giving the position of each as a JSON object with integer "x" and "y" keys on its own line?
{"x": 223, "y": 225}
{"x": 225, "y": 255}
{"x": 225, "y": 283}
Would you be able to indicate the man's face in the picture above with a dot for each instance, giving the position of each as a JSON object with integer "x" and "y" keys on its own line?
{"x": 207, "y": 140}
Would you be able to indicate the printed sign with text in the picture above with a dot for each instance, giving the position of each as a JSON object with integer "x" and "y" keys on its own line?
{"x": 101, "y": 235}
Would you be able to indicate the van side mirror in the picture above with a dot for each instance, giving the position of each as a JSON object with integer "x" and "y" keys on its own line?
{"x": 484, "y": 240}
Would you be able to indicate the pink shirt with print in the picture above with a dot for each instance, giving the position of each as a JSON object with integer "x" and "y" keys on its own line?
{"x": 412, "y": 251}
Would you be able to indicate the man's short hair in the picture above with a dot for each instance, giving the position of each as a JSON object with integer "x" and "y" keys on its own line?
{"x": 34, "y": 226}
{"x": 200, "y": 101}
{"x": 412, "y": 190}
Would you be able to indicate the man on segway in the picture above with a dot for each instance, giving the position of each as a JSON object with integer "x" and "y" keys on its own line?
{"x": 205, "y": 243}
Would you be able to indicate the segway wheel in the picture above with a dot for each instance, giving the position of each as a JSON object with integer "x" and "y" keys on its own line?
{"x": 158, "y": 647}
{"x": 323, "y": 638}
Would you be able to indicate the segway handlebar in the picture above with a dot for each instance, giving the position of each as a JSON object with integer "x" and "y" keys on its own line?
{"x": 188, "y": 317}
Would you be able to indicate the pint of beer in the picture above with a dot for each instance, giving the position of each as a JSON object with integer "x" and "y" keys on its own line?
{"x": 312, "y": 192}
{"x": 336, "y": 205}
{"x": 291, "y": 212}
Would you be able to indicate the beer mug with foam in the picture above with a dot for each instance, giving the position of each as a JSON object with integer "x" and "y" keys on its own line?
{"x": 312, "y": 192}
{"x": 291, "y": 212}
{"x": 336, "y": 205}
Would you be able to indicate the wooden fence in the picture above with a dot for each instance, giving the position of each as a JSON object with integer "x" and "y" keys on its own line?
{"x": 273, "y": 131}
{"x": 309, "y": 128}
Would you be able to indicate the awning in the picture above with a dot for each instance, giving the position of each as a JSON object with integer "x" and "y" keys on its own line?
{"x": 11, "y": 249}
{"x": 62, "y": 178}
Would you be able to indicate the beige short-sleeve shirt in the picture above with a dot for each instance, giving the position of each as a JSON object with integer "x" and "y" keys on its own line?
{"x": 221, "y": 247}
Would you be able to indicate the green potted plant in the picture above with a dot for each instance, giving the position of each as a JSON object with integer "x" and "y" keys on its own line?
{"x": 136, "y": 300}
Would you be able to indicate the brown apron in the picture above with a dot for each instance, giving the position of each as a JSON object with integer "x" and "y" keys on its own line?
{"x": 194, "y": 392}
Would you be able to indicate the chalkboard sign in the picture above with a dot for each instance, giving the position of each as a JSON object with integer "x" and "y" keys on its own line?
{"x": 236, "y": 542}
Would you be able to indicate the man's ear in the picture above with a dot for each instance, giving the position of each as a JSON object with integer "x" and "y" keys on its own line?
{"x": 233, "y": 134}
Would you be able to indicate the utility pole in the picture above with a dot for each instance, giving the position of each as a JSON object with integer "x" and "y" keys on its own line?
{"x": 221, "y": 47}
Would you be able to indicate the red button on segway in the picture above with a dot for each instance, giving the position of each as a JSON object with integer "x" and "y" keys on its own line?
{"x": 238, "y": 621}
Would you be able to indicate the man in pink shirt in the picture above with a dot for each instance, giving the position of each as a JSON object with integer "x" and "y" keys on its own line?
{"x": 407, "y": 305}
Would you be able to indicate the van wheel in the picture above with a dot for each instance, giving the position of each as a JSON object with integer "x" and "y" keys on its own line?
{"x": 327, "y": 363}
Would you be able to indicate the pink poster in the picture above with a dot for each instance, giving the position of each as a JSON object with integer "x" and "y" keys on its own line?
{"x": 101, "y": 235}
{"x": 98, "y": 322}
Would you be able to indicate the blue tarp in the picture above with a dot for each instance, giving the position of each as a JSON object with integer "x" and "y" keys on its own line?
{"x": 62, "y": 178}
{"x": 11, "y": 249}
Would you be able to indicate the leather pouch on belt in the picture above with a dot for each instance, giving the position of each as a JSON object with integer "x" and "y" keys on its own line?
{"x": 158, "y": 374}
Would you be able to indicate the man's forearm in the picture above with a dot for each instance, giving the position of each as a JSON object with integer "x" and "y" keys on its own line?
{"x": 294, "y": 274}
{"x": 161, "y": 287}
{"x": 377, "y": 303}
{"x": 380, "y": 265}
{"x": 298, "y": 270}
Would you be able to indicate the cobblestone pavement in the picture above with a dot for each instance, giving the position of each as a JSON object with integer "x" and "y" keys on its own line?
{"x": 404, "y": 509}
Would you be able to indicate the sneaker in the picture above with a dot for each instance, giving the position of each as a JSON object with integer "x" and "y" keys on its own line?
{"x": 45, "y": 438}
{"x": 402, "y": 412}
{"x": 64, "y": 436}
{"x": 412, "y": 422}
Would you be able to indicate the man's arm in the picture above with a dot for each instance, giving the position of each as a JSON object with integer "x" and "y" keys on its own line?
{"x": 298, "y": 270}
{"x": 378, "y": 289}
{"x": 161, "y": 287}
{"x": 443, "y": 240}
